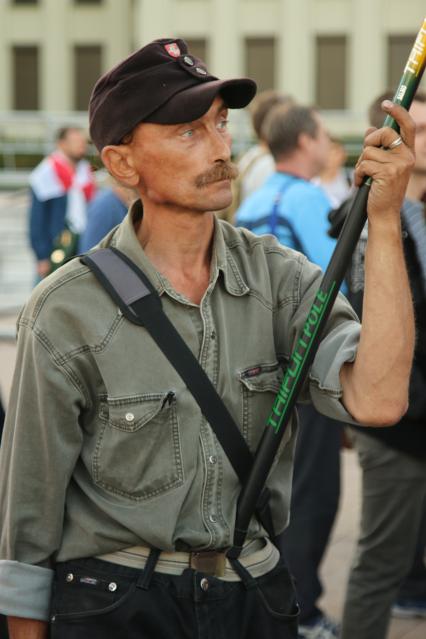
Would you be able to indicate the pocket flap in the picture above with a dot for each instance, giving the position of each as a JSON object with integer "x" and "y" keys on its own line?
{"x": 263, "y": 377}
{"x": 132, "y": 413}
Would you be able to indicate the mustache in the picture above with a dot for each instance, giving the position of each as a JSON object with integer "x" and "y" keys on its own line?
{"x": 223, "y": 171}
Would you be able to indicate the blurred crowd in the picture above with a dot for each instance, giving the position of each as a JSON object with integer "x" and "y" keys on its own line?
{"x": 294, "y": 183}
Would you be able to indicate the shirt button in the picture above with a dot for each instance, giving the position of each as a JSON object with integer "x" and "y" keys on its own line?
{"x": 201, "y": 71}
{"x": 204, "y": 584}
{"x": 112, "y": 587}
{"x": 213, "y": 335}
{"x": 212, "y": 459}
{"x": 189, "y": 61}
{"x": 69, "y": 578}
{"x": 213, "y": 519}
{"x": 129, "y": 417}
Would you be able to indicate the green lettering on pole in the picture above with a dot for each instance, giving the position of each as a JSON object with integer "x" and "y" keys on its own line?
{"x": 298, "y": 359}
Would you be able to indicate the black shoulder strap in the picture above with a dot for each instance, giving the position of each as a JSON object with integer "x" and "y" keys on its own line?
{"x": 140, "y": 303}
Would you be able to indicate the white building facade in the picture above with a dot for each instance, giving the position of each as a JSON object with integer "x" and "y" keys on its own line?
{"x": 337, "y": 54}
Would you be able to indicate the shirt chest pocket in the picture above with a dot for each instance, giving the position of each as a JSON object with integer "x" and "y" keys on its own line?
{"x": 138, "y": 453}
{"x": 259, "y": 386}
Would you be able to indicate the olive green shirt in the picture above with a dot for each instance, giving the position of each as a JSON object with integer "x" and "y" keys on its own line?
{"x": 104, "y": 446}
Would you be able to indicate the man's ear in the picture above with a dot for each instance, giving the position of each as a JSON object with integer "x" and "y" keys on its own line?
{"x": 118, "y": 161}
{"x": 304, "y": 141}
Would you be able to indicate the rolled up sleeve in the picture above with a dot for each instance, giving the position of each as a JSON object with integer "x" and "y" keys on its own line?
{"x": 337, "y": 348}
{"x": 25, "y": 590}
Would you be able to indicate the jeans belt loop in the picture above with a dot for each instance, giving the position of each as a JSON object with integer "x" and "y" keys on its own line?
{"x": 210, "y": 562}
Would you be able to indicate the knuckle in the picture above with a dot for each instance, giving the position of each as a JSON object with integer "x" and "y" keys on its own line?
{"x": 367, "y": 152}
{"x": 411, "y": 160}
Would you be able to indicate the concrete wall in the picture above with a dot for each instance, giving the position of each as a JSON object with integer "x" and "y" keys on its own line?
{"x": 121, "y": 25}
{"x": 56, "y": 26}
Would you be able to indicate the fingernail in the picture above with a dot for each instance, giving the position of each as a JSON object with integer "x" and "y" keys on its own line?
{"x": 387, "y": 104}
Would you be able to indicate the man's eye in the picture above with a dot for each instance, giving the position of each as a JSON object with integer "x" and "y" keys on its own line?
{"x": 188, "y": 133}
{"x": 223, "y": 124}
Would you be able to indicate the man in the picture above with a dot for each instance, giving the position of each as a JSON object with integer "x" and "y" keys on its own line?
{"x": 295, "y": 210}
{"x": 257, "y": 164}
{"x": 335, "y": 179}
{"x": 106, "y": 454}
{"x": 389, "y": 558}
{"x": 289, "y": 205}
{"x": 61, "y": 186}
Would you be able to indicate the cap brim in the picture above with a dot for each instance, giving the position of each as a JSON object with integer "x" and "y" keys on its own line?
{"x": 192, "y": 103}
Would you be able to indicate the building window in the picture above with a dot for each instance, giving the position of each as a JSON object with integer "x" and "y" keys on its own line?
{"x": 198, "y": 48}
{"x": 87, "y": 69}
{"x": 260, "y": 61}
{"x": 331, "y": 72}
{"x": 399, "y": 47}
{"x": 25, "y": 74}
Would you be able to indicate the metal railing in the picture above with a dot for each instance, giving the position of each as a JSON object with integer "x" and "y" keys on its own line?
{"x": 32, "y": 133}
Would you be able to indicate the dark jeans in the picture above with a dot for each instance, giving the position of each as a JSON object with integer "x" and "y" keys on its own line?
{"x": 94, "y": 599}
{"x": 314, "y": 503}
{"x": 3, "y": 627}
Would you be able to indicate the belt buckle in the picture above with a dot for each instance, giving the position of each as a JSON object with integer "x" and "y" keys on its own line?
{"x": 210, "y": 562}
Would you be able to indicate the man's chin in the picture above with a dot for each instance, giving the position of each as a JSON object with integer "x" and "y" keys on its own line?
{"x": 224, "y": 195}
{"x": 221, "y": 204}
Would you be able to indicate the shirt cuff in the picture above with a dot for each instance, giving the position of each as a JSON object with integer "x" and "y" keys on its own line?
{"x": 25, "y": 590}
{"x": 338, "y": 347}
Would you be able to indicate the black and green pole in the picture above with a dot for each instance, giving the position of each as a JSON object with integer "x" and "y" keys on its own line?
{"x": 309, "y": 339}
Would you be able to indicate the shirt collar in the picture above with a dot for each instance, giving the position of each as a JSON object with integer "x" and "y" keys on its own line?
{"x": 224, "y": 262}
{"x": 125, "y": 239}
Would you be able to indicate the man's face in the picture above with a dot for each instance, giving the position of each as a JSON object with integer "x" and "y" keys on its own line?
{"x": 320, "y": 147}
{"x": 74, "y": 145}
{"x": 186, "y": 166}
{"x": 336, "y": 156}
{"x": 418, "y": 113}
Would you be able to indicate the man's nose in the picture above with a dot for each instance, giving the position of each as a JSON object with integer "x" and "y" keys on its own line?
{"x": 220, "y": 145}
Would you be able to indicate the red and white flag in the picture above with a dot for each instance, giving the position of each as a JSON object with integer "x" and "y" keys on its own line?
{"x": 56, "y": 176}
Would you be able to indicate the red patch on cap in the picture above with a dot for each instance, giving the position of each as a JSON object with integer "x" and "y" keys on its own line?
{"x": 172, "y": 49}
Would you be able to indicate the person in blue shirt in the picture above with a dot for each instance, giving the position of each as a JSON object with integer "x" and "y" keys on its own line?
{"x": 295, "y": 210}
{"x": 289, "y": 205}
{"x": 107, "y": 210}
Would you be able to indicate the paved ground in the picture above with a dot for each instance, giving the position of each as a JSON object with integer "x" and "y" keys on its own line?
{"x": 336, "y": 564}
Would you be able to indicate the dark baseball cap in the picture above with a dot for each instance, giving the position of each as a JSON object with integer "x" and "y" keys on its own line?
{"x": 161, "y": 83}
